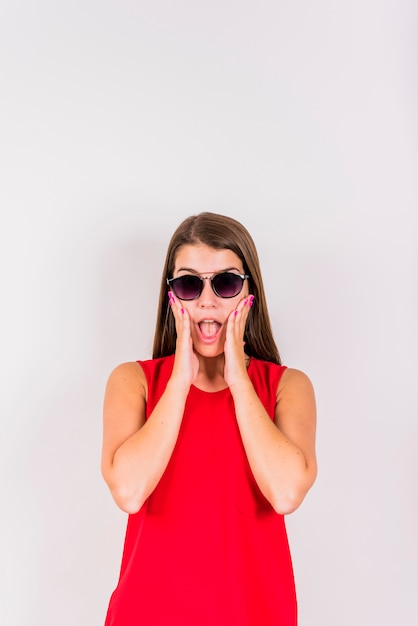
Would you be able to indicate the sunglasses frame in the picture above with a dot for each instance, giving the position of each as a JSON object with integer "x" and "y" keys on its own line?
{"x": 211, "y": 278}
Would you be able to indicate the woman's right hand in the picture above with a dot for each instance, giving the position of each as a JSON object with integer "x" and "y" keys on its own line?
{"x": 186, "y": 364}
{"x": 137, "y": 449}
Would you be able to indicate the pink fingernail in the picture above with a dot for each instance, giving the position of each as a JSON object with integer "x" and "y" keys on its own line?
{"x": 182, "y": 310}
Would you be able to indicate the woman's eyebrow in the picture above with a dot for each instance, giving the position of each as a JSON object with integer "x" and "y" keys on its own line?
{"x": 193, "y": 271}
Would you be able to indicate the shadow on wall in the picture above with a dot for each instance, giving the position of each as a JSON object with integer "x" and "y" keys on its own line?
{"x": 126, "y": 305}
{"x": 112, "y": 293}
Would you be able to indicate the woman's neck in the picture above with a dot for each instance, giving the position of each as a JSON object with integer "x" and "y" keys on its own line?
{"x": 211, "y": 373}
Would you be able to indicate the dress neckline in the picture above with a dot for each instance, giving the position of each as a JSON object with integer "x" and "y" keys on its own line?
{"x": 225, "y": 389}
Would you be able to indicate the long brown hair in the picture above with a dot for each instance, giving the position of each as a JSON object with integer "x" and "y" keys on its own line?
{"x": 218, "y": 232}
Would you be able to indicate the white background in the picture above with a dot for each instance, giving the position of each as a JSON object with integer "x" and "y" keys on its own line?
{"x": 119, "y": 119}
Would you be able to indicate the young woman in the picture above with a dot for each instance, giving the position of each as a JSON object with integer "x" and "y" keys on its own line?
{"x": 208, "y": 446}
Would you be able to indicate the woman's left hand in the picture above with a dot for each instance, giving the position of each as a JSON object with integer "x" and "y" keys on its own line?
{"x": 235, "y": 359}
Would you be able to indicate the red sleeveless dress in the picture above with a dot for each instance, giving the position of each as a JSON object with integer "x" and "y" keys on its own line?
{"x": 206, "y": 548}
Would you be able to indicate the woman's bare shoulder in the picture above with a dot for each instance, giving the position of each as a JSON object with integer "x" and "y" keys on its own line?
{"x": 126, "y": 378}
{"x": 294, "y": 381}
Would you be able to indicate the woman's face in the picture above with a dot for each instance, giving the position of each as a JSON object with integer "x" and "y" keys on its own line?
{"x": 209, "y": 312}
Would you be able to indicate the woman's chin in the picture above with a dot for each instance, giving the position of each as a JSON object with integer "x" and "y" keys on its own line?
{"x": 209, "y": 351}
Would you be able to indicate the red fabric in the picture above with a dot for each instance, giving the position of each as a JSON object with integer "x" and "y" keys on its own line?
{"x": 206, "y": 549}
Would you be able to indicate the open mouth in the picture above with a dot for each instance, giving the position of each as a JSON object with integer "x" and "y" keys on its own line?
{"x": 209, "y": 328}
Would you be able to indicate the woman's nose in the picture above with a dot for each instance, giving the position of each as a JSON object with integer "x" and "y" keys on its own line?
{"x": 208, "y": 296}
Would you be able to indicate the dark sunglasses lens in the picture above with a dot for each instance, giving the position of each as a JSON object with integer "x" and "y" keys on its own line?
{"x": 227, "y": 285}
{"x": 187, "y": 287}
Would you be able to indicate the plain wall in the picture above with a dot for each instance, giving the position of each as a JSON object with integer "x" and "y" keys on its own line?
{"x": 120, "y": 118}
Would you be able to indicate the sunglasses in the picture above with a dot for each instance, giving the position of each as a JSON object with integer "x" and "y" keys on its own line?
{"x": 190, "y": 286}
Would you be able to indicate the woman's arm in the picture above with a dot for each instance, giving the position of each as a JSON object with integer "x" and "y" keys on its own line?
{"x": 136, "y": 451}
{"x": 281, "y": 453}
